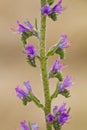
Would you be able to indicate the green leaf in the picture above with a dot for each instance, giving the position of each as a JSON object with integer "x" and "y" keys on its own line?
{"x": 52, "y": 51}
{"x": 36, "y": 34}
{"x": 26, "y": 100}
{"x": 65, "y": 93}
{"x": 56, "y": 50}
{"x": 25, "y": 36}
{"x": 61, "y": 52}
{"x": 50, "y": 2}
{"x": 53, "y": 16}
{"x": 56, "y": 125}
{"x": 31, "y": 61}
{"x": 57, "y": 75}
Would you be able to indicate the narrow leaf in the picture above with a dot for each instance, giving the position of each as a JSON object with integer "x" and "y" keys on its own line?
{"x": 50, "y": 2}
{"x": 36, "y": 26}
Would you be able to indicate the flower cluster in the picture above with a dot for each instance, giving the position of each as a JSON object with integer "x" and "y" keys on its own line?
{"x": 23, "y": 94}
{"x": 26, "y": 27}
{"x": 51, "y": 12}
{"x": 60, "y": 115}
{"x": 25, "y": 126}
{"x": 67, "y": 82}
{"x": 46, "y": 10}
{"x": 26, "y": 30}
{"x": 57, "y": 66}
{"x": 63, "y": 42}
{"x": 23, "y": 28}
{"x": 56, "y": 70}
{"x": 30, "y": 51}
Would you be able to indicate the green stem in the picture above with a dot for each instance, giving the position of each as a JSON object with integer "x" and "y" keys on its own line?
{"x": 55, "y": 93}
{"x": 36, "y": 101}
{"x": 43, "y": 63}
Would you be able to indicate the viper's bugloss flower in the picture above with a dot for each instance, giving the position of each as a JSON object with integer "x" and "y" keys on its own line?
{"x": 35, "y": 126}
{"x": 23, "y": 93}
{"x": 50, "y": 118}
{"x": 58, "y": 7}
{"x": 30, "y": 51}
{"x": 67, "y": 82}
{"x": 57, "y": 66}
{"x": 64, "y": 43}
{"x": 27, "y": 26}
{"x": 60, "y": 115}
{"x": 60, "y": 109}
{"x": 63, "y": 118}
{"x": 25, "y": 126}
{"x": 46, "y": 10}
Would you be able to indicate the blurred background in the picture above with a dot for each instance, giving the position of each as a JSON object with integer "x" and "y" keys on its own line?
{"x": 14, "y": 69}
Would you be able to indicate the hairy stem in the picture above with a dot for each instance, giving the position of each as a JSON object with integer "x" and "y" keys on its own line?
{"x": 43, "y": 63}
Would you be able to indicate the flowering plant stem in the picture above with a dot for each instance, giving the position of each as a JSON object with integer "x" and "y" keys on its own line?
{"x": 43, "y": 63}
{"x": 60, "y": 114}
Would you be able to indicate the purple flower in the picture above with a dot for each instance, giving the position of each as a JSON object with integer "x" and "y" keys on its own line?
{"x": 24, "y": 125}
{"x": 23, "y": 28}
{"x": 29, "y": 25}
{"x": 58, "y": 7}
{"x": 35, "y": 126}
{"x": 50, "y": 118}
{"x": 46, "y": 10}
{"x": 27, "y": 87}
{"x": 63, "y": 118}
{"x": 58, "y": 110}
{"x": 23, "y": 93}
{"x": 20, "y": 93}
{"x": 60, "y": 115}
{"x": 62, "y": 108}
{"x": 63, "y": 44}
{"x": 57, "y": 66}
{"x": 67, "y": 82}
{"x": 30, "y": 51}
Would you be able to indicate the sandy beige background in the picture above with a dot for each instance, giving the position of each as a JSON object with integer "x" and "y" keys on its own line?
{"x": 14, "y": 68}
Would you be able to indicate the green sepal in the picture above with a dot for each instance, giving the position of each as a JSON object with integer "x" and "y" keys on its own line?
{"x": 65, "y": 93}
{"x": 52, "y": 51}
{"x": 25, "y": 100}
{"x": 36, "y": 34}
{"x": 57, "y": 75}
{"x": 25, "y": 36}
{"x": 53, "y": 16}
{"x": 50, "y": 2}
{"x": 61, "y": 52}
{"x": 31, "y": 61}
{"x": 56, "y": 125}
